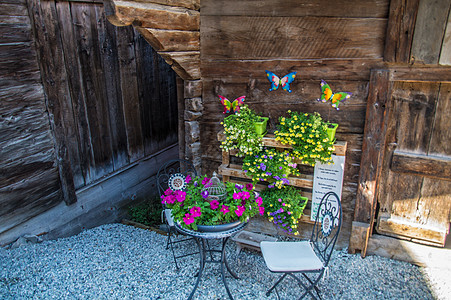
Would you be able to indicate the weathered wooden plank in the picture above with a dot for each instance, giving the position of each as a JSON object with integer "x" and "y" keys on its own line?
{"x": 445, "y": 53}
{"x": 395, "y": 227}
{"x": 317, "y": 69}
{"x": 429, "y": 30}
{"x": 441, "y": 135}
{"x": 186, "y": 64}
{"x": 72, "y": 119}
{"x": 424, "y": 165}
{"x": 129, "y": 88}
{"x": 110, "y": 64}
{"x": 151, "y": 15}
{"x": 296, "y": 8}
{"x": 15, "y": 33}
{"x": 51, "y": 63}
{"x": 93, "y": 82}
{"x": 420, "y": 73}
{"x": 18, "y": 65}
{"x": 171, "y": 40}
{"x": 373, "y": 143}
{"x": 400, "y": 29}
{"x": 291, "y": 37}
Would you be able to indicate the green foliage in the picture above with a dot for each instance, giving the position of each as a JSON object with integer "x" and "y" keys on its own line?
{"x": 307, "y": 134}
{"x": 284, "y": 207}
{"x": 147, "y": 212}
{"x": 240, "y": 132}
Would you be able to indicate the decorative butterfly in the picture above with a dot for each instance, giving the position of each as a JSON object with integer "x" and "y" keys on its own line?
{"x": 335, "y": 98}
{"x": 284, "y": 82}
{"x": 234, "y": 105}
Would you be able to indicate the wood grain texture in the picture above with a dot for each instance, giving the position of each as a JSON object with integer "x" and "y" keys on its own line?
{"x": 445, "y": 53}
{"x": 284, "y": 8}
{"x": 424, "y": 165}
{"x": 171, "y": 40}
{"x": 291, "y": 37}
{"x": 418, "y": 73}
{"x": 400, "y": 29}
{"x": 429, "y": 30}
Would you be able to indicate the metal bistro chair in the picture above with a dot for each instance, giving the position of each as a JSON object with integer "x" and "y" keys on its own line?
{"x": 309, "y": 258}
{"x": 168, "y": 169}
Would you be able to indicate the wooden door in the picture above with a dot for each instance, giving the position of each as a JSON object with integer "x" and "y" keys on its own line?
{"x": 414, "y": 189}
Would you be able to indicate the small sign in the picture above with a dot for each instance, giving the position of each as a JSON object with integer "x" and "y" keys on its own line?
{"x": 327, "y": 178}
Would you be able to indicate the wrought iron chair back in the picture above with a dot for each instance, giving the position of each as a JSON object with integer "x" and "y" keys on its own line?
{"x": 172, "y": 167}
{"x": 327, "y": 226}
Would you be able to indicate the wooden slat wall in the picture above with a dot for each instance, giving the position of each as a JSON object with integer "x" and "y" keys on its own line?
{"x": 111, "y": 100}
{"x": 338, "y": 41}
{"x": 29, "y": 180}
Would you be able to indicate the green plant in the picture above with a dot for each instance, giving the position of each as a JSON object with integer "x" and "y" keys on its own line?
{"x": 195, "y": 206}
{"x": 284, "y": 207}
{"x": 271, "y": 166}
{"x": 147, "y": 212}
{"x": 307, "y": 134}
{"x": 240, "y": 132}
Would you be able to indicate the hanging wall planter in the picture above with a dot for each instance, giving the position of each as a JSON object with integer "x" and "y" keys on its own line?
{"x": 260, "y": 127}
{"x": 331, "y": 129}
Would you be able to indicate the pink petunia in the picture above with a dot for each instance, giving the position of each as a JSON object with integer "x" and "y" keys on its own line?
{"x": 245, "y": 195}
{"x": 168, "y": 192}
{"x": 195, "y": 211}
{"x": 188, "y": 178}
{"x": 259, "y": 201}
{"x": 240, "y": 210}
{"x": 249, "y": 186}
{"x": 205, "y": 180}
{"x": 214, "y": 204}
{"x": 261, "y": 209}
{"x": 236, "y": 196}
{"x": 188, "y": 219}
{"x": 180, "y": 196}
{"x": 225, "y": 209}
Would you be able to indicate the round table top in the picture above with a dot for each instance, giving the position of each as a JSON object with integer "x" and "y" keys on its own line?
{"x": 210, "y": 235}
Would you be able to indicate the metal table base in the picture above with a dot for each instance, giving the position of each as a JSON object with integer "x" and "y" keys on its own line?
{"x": 201, "y": 239}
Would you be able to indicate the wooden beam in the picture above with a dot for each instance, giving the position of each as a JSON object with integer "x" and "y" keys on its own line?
{"x": 429, "y": 31}
{"x": 423, "y": 165}
{"x": 420, "y": 73}
{"x": 400, "y": 29}
{"x": 185, "y": 64}
{"x": 171, "y": 40}
{"x": 372, "y": 153}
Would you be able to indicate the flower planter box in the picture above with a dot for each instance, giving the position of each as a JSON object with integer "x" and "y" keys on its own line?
{"x": 235, "y": 173}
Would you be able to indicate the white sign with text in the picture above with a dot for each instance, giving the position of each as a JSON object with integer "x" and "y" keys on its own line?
{"x": 327, "y": 178}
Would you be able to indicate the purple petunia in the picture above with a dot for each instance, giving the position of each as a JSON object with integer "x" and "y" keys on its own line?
{"x": 262, "y": 166}
{"x": 204, "y": 194}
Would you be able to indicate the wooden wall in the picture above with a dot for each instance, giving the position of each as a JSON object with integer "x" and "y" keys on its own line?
{"x": 338, "y": 41}
{"x": 81, "y": 99}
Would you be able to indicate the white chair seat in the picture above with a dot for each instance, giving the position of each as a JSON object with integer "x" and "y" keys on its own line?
{"x": 169, "y": 218}
{"x": 290, "y": 256}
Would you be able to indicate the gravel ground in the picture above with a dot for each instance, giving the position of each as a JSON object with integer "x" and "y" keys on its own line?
{"x": 116, "y": 261}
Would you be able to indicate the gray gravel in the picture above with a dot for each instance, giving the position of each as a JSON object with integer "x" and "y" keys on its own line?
{"x": 116, "y": 261}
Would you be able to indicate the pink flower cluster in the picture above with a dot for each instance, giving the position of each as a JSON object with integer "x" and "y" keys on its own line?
{"x": 170, "y": 196}
{"x": 193, "y": 213}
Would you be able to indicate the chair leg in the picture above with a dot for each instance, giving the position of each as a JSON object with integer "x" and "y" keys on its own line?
{"x": 275, "y": 284}
{"x": 170, "y": 242}
{"x": 312, "y": 286}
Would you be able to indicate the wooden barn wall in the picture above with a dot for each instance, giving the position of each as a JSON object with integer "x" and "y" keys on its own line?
{"x": 338, "y": 41}
{"x": 81, "y": 99}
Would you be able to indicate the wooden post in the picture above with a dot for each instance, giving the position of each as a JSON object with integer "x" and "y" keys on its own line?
{"x": 372, "y": 157}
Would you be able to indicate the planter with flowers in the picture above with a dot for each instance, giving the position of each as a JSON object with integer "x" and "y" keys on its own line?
{"x": 200, "y": 203}
{"x": 308, "y": 135}
{"x": 284, "y": 207}
{"x": 241, "y": 134}
{"x": 270, "y": 165}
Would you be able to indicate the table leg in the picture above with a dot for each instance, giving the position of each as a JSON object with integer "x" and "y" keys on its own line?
{"x": 224, "y": 262}
{"x": 201, "y": 245}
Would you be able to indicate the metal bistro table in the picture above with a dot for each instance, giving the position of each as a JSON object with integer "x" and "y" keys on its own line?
{"x": 202, "y": 241}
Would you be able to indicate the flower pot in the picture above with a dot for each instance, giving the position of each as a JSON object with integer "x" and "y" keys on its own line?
{"x": 260, "y": 127}
{"x": 218, "y": 228}
{"x": 331, "y": 129}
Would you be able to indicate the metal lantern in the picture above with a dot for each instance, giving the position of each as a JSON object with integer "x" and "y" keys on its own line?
{"x": 215, "y": 189}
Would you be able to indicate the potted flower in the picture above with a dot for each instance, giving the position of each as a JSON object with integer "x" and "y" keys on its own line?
{"x": 284, "y": 207}
{"x": 194, "y": 206}
{"x": 241, "y": 134}
{"x": 307, "y": 134}
{"x": 271, "y": 166}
